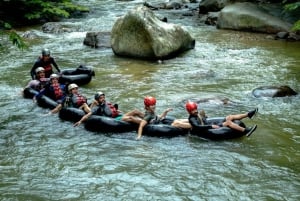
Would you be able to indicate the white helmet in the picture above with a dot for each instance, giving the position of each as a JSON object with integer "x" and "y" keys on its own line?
{"x": 54, "y": 76}
{"x": 39, "y": 69}
{"x": 72, "y": 86}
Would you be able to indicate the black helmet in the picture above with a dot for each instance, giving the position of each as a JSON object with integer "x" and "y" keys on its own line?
{"x": 46, "y": 52}
{"x": 98, "y": 94}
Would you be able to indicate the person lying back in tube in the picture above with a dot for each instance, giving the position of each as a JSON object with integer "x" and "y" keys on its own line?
{"x": 101, "y": 107}
{"x": 199, "y": 123}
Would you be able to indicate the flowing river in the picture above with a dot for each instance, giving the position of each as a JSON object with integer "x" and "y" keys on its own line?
{"x": 45, "y": 158}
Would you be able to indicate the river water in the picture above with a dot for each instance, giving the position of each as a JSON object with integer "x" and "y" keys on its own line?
{"x": 45, "y": 158}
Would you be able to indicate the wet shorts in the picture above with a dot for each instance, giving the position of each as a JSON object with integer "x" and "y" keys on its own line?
{"x": 119, "y": 117}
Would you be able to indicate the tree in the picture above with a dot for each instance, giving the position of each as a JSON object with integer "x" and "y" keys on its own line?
{"x": 293, "y": 8}
{"x": 15, "y": 13}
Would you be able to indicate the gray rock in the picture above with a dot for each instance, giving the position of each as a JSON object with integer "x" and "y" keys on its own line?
{"x": 249, "y": 17}
{"x": 140, "y": 34}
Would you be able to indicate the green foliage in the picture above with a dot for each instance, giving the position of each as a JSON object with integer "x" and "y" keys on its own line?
{"x": 296, "y": 26}
{"x": 17, "y": 40}
{"x": 21, "y": 12}
{"x": 293, "y": 8}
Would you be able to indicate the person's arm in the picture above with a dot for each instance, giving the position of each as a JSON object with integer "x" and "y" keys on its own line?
{"x": 84, "y": 118}
{"x": 42, "y": 92}
{"x": 197, "y": 125}
{"x": 56, "y": 109}
{"x": 164, "y": 114}
{"x": 55, "y": 64}
{"x": 143, "y": 123}
{"x": 106, "y": 110}
{"x": 32, "y": 72}
{"x": 94, "y": 104}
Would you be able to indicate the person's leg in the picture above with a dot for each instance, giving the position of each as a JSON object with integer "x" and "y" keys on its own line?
{"x": 233, "y": 125}
{"x": 132, "y": 119}
{"x": 85, "y": 107}
{"x": 135, "y": 112}
{"x": 232, "y": 117}
{"x": 181, "y": 123}
{"x": 248, "y": 131}
{"x": 134, "y": 116}
{"x": 249, "y": 114}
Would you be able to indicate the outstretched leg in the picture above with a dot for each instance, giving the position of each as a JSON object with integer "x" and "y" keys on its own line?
{"x": 181, "y": 123}
{"x": 249, "y": 114}
{"x": 134, "y": 116}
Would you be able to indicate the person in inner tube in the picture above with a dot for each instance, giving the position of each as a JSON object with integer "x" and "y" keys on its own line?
{"x": 101, "y": 107}
{"x": 40, "y": 80}
{"x": 198, "y": 120}
{"x": 73, "y": 99}
{"x": 45, "y": 61}
{"x": 150, "y": 116}
{"x": 53, "y": 90}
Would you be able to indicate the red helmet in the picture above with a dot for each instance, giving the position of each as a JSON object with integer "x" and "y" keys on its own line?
{"x": 190, "y": 106}
{"x": 149, "y": 100}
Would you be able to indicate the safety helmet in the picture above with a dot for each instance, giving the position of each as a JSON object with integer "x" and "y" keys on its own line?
{"x": 190, "y": 106}
{"x": 54, "y": 76}
{"x": 46, "y": 52}
{"x": 149, "y": 100}
{"x": 98, "y": 94}
{"x": 72, "y": 86}
{"x": 39, "y": 69}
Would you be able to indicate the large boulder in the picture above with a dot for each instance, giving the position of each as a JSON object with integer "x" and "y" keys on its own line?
{"x": 140, "y": 34}
{"x": 250, "y": 17}
{"x": 206, "y": 6}
{"x": 97, "y": 39}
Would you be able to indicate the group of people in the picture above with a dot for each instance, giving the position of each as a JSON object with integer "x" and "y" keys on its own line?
{"x": 47, "y": 83}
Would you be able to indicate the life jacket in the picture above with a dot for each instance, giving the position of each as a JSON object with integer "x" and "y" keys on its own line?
{"x": 78, "y": 100}
{"x": 58, "y": 92}
{"x": 42, "y": 83}
{"x": 48, "y": 69}
{"x": 113, "y": 109}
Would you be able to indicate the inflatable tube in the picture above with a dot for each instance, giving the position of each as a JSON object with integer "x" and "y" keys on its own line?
{"x": 164, "y": 129}
{"x": 71, "y": 114}
{"x": 222, "y": 133}
{"x": 108, "y": 125}
{"x": 42, "y": 101}
{"x": 80, "y": 76}
{"x": 29, "y": 92}
{"x": 46, "y": 102}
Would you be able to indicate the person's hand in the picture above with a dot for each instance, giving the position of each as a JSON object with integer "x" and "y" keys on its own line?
{"x": 34, "y": 99}
{"x": 47, "y": 114}
{"x": 77, "y": 123}
{"x": 169, "y": 109}
{"x": 215, "y": 126}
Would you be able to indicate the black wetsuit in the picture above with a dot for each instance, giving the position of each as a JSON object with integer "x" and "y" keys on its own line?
{"x": 102, "y": 110}
{"x": 47, "y": 65}
{"x": 196, "y": 124}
